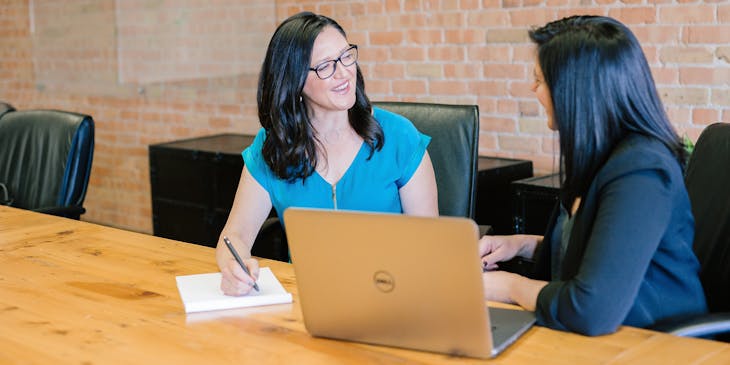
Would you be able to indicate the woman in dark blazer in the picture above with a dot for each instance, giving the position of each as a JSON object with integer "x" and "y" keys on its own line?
{"x": 618, "y": 249}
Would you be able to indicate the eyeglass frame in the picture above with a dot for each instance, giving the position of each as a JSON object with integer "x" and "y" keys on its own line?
{"x": 334, "y": 62}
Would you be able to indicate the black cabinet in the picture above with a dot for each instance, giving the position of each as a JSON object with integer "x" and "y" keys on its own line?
{"x": 534, "y": 199}
{"x": 194, "y": 181}
{"x": 193, "y": 184}
{"x": 494, "y": 196}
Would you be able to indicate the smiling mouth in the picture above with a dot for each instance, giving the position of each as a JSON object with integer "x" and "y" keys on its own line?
{"x": 342, "y": 87}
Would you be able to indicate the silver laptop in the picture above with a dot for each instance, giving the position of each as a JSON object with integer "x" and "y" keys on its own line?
{"x": 397, "y": 280}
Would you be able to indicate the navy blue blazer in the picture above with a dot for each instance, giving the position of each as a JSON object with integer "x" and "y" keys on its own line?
{"x": 629, "y": 259}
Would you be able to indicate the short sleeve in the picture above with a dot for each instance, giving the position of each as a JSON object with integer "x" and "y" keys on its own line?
{"x": 408, "y": 144}
{"x": 420, "y": 143}
{"x": 254, "y": 161}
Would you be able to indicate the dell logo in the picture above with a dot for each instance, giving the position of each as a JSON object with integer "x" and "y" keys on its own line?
{"x": 384, "y": 281}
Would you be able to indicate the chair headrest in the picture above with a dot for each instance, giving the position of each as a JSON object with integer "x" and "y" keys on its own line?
{"x": 37, "y": 147}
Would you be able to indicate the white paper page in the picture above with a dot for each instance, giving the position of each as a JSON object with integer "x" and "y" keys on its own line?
{"x": 201, "y": 292}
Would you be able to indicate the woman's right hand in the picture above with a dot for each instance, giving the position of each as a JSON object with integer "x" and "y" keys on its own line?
{"x": 494, "y": 249}
{"x": 234, "y": 281}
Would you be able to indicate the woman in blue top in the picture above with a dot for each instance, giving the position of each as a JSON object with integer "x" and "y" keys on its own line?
{"x": 620, "y": 250}
{"x": 322, "y": 144}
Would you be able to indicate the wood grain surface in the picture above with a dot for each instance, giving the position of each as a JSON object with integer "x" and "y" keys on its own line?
{"x": 73, "y": 292}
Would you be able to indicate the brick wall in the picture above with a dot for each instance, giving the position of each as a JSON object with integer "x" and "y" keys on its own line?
{"x": 151, "y": 71}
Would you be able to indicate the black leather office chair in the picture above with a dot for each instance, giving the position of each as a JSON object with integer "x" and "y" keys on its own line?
{"x": 454, "y": 131}
{"x": 5, "y": 107}
{"x": 707, "y": 179}
{"x": 45, "y": 160}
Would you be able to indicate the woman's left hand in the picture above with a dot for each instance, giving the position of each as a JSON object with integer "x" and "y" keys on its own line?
{"x": 497, "y": 286}
{"x": 507, "y": 287}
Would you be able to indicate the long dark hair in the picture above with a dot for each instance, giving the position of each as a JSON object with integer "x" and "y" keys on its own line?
{"x": 290, "y": 149}
{"x": 602, "y": 89}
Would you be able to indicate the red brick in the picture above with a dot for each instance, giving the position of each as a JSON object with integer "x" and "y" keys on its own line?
{"x": 491, "y": 18}
{"x": 390, "y": 70}
{"x": 665, "y": 75}
{"x": 704, "y": 76}
{"x": 513, "y": 71}
{"x": 462, "y": 70}
{"x": 409, "y": 54}
{"x": 719, "y": 34}
{"x": 705, "y": 116}
{"x": 447, "y": 53}
{"x": 494, "y": 124}
{"x": 453, "y": 51}
{"x": 410, "y": 20}
{"x": 496, "y": 88}
{"x": 530, "y": 17}
{"x": 487, "y": 144}
{"x": 687, "y": 14}
{"x": 634, "y": 15}
{"x": 519, "y": 143}
{"x": 423, "y": 37}
{"x": 437, "y": 87}
{"x": 464, "y": 36}
{"x": 657, "y": 33}
{"x": 413, "y": 87}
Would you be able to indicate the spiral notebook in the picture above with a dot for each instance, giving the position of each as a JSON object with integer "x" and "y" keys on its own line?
{"x": 201, "y": 292}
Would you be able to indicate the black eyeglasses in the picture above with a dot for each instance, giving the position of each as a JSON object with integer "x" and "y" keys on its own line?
{"x": 326, "y": 69}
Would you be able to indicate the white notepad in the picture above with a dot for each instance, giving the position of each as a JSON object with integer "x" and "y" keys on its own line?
{"x": 201, "y": 292}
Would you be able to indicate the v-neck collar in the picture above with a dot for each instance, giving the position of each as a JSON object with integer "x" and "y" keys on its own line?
{"x": 347, "y": 172}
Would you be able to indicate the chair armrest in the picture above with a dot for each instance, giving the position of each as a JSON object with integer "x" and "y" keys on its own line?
{"x": 271, "y": 242}
{"x": 72, "y": 211}
{"x": 485, "y": 229}
{"x": 271, "y": 224}
{"x": 699, "y": 326}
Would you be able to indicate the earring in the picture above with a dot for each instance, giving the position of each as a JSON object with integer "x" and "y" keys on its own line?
{"x": 300, "y": 98}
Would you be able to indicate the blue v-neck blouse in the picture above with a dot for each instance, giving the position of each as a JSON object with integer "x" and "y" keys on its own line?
{"x": 367, "y": 185}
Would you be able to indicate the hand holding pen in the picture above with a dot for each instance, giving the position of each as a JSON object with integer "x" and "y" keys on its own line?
{"x": 240, "y": 261}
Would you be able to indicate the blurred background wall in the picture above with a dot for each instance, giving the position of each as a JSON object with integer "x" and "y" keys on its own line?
{"x": 152, "y": 71}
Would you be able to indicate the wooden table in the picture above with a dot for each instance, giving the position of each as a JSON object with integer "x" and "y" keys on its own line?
{"x": 78, "y": 293}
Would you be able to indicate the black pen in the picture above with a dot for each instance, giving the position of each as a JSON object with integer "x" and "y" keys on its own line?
{"x": 240, "y": 262}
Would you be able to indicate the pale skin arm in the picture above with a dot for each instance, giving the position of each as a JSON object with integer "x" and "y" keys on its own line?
{"x": 419, "y": 196}
{"x": 504, "y": 286}
{"x": 251, "y": 207}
